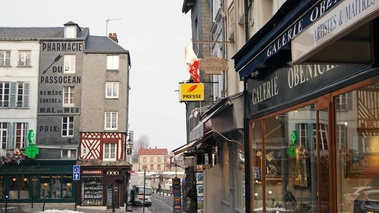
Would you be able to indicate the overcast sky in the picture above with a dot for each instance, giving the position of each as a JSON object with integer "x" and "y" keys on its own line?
{"x": 154, "y": 32}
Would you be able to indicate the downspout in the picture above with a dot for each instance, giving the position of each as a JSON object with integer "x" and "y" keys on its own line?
{"x": 247, "y": 7}
{"x": 246, "y": 148}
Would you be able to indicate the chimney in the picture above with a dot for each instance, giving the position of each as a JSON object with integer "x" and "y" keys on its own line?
{"x": 113, "y": 36}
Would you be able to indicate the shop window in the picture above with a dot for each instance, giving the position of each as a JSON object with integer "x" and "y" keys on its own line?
{"x": 357, "y": 152}
{"x": 45, "y": 186}
{"x": 18, "y": 187}
{"x": 56, "y": 187}
{"x": 284, "y": 160}
{"x": 92, "y": 192}
{"x": 67, "y": 186}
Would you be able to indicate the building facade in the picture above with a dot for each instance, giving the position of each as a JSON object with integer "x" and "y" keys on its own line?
{"x": 311, "y": 76}
{"x": 153, "y": 160}
{"x": 80, "y": 125}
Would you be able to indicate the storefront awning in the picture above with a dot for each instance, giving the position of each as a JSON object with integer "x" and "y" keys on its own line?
{"x": 321, "y": 43}
{"x": 269, "y": 48}
{"x": 184, "y": 148}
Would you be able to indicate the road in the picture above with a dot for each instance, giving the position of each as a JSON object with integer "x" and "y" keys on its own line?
{"x": 161, "y": 204}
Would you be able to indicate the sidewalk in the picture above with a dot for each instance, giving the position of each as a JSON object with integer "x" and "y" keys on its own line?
{"x": 65, "y": 208}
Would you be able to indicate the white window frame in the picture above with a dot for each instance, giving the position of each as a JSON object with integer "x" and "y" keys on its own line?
{"x": 20, "y": 131}
{"x": 5, "y": 88}
{"x": 71, "y": 153}
{"x": 113, "y": 62}
{"x": 111, "y": 89}
{"x": 24, "y": 58}
{"x": 109, "y": 151}
{"x": 4, "y": 137}
{"x": 69, "y": 64}
{"x": 68, "y": 96}
{"x": 111, "y": 121}
{"x": 67, "y": 126}
{"x": 5, "y": 57}
{"x": 70, "y": 32}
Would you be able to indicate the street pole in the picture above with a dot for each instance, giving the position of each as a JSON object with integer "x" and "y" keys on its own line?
{"x": 144, "y": 183}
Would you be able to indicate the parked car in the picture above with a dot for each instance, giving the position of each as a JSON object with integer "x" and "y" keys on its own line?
{"x": 354, "y": 192}
{"x": 141, "y": 195}
{"x": 367, "y": 201}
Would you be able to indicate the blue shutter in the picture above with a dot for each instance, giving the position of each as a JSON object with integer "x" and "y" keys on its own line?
{"x": 12, "y": 94}
{"x": 26, "y": 95}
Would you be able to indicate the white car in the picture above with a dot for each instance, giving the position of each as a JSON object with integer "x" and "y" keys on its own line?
{"x": 354, "y": 192}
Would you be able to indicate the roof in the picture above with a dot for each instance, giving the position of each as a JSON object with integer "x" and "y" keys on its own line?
{"x": 103, "y": 44}
{"x": 94, "y": 44}
{"x": 36, "y": 33}
{"x": 152, "y": 151}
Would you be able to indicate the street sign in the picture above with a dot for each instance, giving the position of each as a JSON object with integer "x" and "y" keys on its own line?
{"x": 76, "y": 172}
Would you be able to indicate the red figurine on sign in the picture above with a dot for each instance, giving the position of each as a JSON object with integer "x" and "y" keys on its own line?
{"x": 192, "y": 63}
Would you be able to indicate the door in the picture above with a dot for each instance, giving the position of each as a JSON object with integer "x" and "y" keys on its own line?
{"x": 324, "y": 157}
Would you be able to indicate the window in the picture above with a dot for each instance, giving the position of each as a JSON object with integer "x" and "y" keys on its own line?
{"x": 113, "y": 62}
{"x": 110, "y": 151}
{"x": 158, "y": 167}
{"x": 69, "y": 153}
{"x": 4, "y": 94}
{"x": 67, "y": 126}
{"x": 69, "y": 64}
{"x": 70, "y": 32}
{"x": 5, "y": 58}
{"x": 24, "y": 58}
{"x": 144, "y": 159}
{"x": 158, "y": 159}
{"x": 151, "y": 167}
{"x": 344, "y": 101}
{"x": 151, "y": 159}
{"x": 111, "y": 90}
{"x": 111, "y": 120}
{"x": 4, "y": 134}
{"x": 20, "y": 135}
{"x": 22, "y": 94}
{"x": 68, "y": 96}
{"x": 14, "y": 94}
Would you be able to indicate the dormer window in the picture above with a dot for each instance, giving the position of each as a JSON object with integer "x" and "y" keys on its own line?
{"x": 70, "y": 31}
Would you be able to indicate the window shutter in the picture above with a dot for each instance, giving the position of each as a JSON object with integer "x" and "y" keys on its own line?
{"x": 26, "y": 134}
{"x": 12, "y": 94}
{"x": 12, "y": 137}
{"x": 26, "y": 94}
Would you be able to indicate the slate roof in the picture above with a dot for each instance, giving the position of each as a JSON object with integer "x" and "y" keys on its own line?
{"x": 102, "y": 44}
{"x": 93, "y": 44}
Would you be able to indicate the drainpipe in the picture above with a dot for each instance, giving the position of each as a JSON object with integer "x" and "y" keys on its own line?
{"x": 246, "y": 147}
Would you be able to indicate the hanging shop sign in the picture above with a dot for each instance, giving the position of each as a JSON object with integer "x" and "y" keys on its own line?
{"x": 213, "y": 65}
{"x": 192, "y": 92}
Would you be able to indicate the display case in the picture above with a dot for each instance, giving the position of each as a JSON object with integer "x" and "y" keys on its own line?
{"x": 92, "y": 192}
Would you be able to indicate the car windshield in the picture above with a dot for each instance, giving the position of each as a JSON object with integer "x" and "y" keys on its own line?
{"x": 139, "y": 190}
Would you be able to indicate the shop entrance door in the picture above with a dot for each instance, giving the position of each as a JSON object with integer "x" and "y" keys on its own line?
{"x": 113, "y": 200}
{"x": 323, "y": 146}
